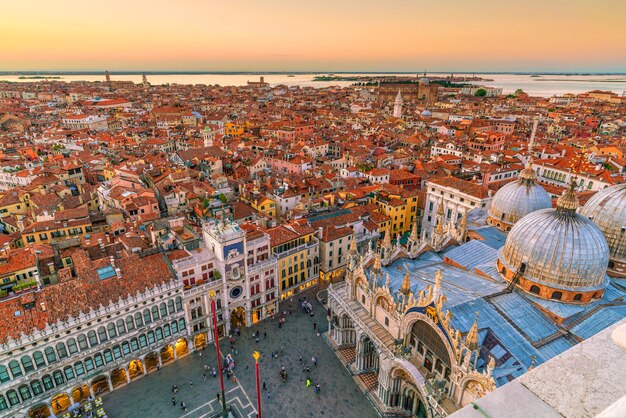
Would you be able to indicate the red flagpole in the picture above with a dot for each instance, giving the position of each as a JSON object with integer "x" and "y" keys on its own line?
{"x": 217, "y": 349}
{"x": 256, "y": 356}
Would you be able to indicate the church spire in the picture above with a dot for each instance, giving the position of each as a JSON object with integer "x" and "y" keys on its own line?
{"x": 471, "y": 341}
{"x": 397, "y": 106}
{"x": 406, "y": 284}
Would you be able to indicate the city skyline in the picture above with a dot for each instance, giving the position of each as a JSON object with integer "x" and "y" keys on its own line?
{"x": 318, "y": 36}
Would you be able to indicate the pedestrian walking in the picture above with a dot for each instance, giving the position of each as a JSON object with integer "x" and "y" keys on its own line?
{"x": 191, "y": 383}
{"x": 314, "y": 360}
{"x": 173, "y": 400}
{"x": 264, "y": 387}
{"x": 268, "y": 394}
{"x": 317, "y": 388}
{"x": 204, "y": 377}
{"x": 300, "y": 359}
{"x": 314, "y": 325}
{"x": 308, "y": 382}
{"x": 218, "y": 397}
{"x": 265, "y": 335}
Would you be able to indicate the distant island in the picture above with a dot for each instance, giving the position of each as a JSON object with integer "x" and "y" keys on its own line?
{"x": 38, "y": 77}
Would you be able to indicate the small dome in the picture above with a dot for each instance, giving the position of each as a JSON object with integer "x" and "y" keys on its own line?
{"x": 426, "y": 113}
{"x": 518, "y": 198}
{"x": 560, "y": 249}
{"x": 607, "y": 209}
{"x": 424, "y": 81}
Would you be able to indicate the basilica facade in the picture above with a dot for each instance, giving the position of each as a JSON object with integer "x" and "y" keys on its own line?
{"x": 428, "y": 325}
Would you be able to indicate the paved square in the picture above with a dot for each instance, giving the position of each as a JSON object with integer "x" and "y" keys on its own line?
{"x": 151, "y": 395}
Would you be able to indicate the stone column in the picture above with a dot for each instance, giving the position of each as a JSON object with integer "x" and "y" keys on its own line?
{"x": 91, "y": 391}
{"x": 110, "y": 383}
{"x": 175, "y": 355}
{"x": 160, "y": 361}
{"x": 143, "y": 366}
{"x": 69, "y": 393}
{"x": 127, "y": 375}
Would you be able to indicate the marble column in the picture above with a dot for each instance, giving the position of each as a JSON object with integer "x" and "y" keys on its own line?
{"x": 110, "y": 383}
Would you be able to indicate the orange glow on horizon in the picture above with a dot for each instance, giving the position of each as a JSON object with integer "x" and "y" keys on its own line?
{"x": 322, "y": 35}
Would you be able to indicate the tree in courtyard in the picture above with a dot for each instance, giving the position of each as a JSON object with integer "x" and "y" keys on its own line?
{"x": 480, "y": 93}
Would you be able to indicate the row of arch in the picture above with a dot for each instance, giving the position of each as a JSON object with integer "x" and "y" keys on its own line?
{"x": 84, "y": 342}
{"x": 99, "y": 385}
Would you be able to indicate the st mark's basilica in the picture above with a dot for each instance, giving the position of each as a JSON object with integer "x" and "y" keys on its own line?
{"x": 430, "y": 325}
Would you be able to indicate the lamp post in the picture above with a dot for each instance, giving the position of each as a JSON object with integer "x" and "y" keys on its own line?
{"x": 256, "y": 356}
{"x": 217, "y": 350}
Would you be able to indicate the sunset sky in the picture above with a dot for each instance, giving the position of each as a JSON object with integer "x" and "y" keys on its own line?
{"x": 314, "y": 35}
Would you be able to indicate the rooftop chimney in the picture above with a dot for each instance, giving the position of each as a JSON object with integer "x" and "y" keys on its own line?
{"x": 101, "y": 244}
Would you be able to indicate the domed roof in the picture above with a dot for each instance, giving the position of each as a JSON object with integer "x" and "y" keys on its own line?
{"x": 424, "y": 81}
{"x": 519, "y": 198}
{"x": 426, "y": 112}
{"x": 607, "y": 209}
{"x": 561, "y": 249}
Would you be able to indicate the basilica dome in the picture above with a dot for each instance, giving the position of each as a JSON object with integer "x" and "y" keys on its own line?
{"x": 516, "y": 200}
{"x": 607, "y": 209}
{"x": 558, "y": 253}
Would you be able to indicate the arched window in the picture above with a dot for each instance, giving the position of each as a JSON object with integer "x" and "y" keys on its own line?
{"x": 58, "y": 378}
{"x": 138, "y": 320}
{"x": 93, "y": 339}
{"x": 174, "y": 327}
{"x": 13, "y": 398}
{"x": 16, "y": 370}
{"x": 534, "y": 289}
{"x": 69, "y": 372}
{"x": 36, "y": 387}
{"x": 134, "y": 344}
{"x": 146, "y": 316}
{"x": 61, "y": 350}
{"x": 97, "y": 358}
{"x": 166, "y": 330}
{"x": 89, "y": 366}
{"x": 108, "y": 356}
{"x": 163, "y": 309}
{"x": 24, "y": 392}
{"x": 4, "y": 374}
{"x": 155, "y": 313}
{"x": 27, "y": 364}
{"x": 121, "y": 329}
{"x": 111, "y": 329}
{"x": 179, "y": 303}
{"x": 170, "y": 306}
{"x": 130, "y": 324}
{"x": 578, "y": 296}
{"x": 71, "y": 346}
{"x": 143, "y": 341}
{"x": 50, "y": 356}
{"x": 3, "y": 403}
{"x": 79, "y": 368}
{"x": 39, "y": 360}
{"x": 47, "y": 382}
{"x": 556, "y": 295}
{"x": 159, "y": 334}
{"x": 82, "y": 342}
{"x": 102, "y": 334}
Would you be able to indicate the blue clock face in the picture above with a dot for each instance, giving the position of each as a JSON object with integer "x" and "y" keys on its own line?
{"x": 236, "y": 292}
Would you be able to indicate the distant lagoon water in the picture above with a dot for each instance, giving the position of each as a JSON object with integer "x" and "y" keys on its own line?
{"x": 542, "y": 85}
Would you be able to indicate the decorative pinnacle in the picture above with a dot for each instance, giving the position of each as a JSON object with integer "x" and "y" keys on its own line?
{"x": 256, "y": 356}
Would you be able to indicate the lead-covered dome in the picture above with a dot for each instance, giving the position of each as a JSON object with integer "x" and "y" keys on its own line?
{"x": 607, "y": 209}
{"x": 560, "y": 254}
{"x": 517, "y": 199}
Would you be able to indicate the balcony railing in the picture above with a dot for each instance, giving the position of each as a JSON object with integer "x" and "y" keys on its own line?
{"x": 294, "y": 250}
